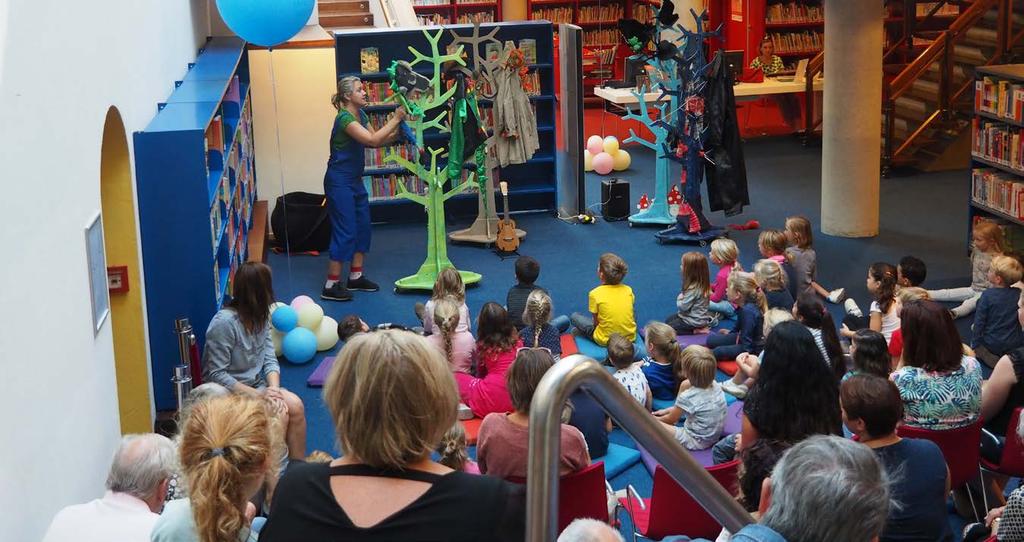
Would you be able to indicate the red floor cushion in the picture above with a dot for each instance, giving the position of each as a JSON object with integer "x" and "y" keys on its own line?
{"x": 728, "y": 367}
{"x": 472, "y": 427}
{"x": 569, "y": 345}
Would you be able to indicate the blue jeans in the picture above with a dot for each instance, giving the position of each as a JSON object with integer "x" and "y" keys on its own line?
{"x": 561, "y": 323}
{"x": 725, "y": 347}
{"x": 723, "y": 307}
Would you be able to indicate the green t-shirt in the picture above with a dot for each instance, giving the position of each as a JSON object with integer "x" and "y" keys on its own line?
{"x": 341, "y": 139}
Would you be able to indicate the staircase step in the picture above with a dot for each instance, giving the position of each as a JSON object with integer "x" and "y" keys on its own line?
{"x": 967, "y": 54}
{"x": 981, "y": 36}
{"x": 350, "y": 20}
{"x": 343, "y": 7}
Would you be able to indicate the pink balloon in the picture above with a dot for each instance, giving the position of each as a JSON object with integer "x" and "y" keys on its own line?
{"x": 300, "y": 301}
{"x": 595, "y": 145}
{"x": 603, "y": 163}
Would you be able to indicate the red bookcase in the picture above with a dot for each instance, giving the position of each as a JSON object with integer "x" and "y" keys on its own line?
{"x": 457, "y": 11}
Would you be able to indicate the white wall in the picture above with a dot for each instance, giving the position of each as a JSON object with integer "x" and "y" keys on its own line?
{"x": 63, "y": 65}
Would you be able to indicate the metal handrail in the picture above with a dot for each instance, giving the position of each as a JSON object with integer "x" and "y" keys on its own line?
{"x": 554, "y": 389}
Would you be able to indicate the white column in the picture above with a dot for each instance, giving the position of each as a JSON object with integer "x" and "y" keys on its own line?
{"x": 852, "y": 112}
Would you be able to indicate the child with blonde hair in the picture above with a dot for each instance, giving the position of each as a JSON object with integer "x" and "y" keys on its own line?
{"x": 772, "y": 244}
{"x": 662, "y": 366}
{"x": 772, "y": 281}
{"x": 996, "y": 328}
{"x": 751, "y": 306}
{"x": 458, "y": 347}
{"x": 802, "y": 257}
{"x": 448, "y": 283}
{"x": 725, "y": 254}
{"x": 747, "y": 365}
{"x": 628, "y": 373}
{"x": 692, "y": 314}
{"x": 988, "y": 242}
{"x": 702, "y": 402}
{"x": 610, "y": 304}
{"x": 452, "y": 450}
{"x": 539, "y": 332}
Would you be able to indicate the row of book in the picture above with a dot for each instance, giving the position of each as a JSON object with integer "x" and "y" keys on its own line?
{"x": 430, "y": 2}
{"x": 433, "y": 19}
{"x": 555, "y": 15}
{"x": 375, "y": 157}
{"x": 600, "y": 37}
{"x": 377, "y": 92}
{"x": 378, "y": 118}
{"x": 479, "y": 16}
{"x": 384, "y": 187}
{"x": 600, "y": 13}
{"x": 644, "y": 12}
{"x": 793, "y": 12}
{"x": 797, "y": 42}
{"x": 999, "y": 97}
{"x": 998, "y": 143}
{"x": 473, "y": 2}
{"x": 998, "y": 190}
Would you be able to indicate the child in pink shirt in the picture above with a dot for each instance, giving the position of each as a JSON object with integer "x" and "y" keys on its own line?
{"x": 724, "y": 254}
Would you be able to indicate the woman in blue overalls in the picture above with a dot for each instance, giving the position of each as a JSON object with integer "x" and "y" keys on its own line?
{"x": 347, "y": 200}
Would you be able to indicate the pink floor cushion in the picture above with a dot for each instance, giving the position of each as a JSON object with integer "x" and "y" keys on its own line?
{"x": 316, "y": 380}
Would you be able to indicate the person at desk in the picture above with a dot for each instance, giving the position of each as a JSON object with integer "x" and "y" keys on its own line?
{"x": 767, "y": 61}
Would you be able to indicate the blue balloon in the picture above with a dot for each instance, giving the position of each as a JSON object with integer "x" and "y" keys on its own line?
{"x": 265, "y": 22}
{"x": 299, "y": 345}
{"x": 284, "y": 319}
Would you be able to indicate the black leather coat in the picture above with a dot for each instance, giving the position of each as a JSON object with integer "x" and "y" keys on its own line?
{"x": 727, "y": 178}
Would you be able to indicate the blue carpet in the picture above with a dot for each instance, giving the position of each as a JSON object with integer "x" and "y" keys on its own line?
{"x": 924, "y": 215}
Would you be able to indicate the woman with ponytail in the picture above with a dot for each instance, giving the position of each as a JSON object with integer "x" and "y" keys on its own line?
{"x": 811, "y": 312}
{"x": 227, "y": 452}
{"x": 538, "y": 331}
{"x": 457, "y": 346}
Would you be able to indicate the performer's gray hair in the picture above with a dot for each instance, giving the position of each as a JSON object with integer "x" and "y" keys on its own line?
{"x": 346, "y": 86}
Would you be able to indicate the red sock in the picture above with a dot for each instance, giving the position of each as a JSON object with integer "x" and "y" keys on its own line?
{"x": 332, "y": 279}
{"x": 355, "y": 273}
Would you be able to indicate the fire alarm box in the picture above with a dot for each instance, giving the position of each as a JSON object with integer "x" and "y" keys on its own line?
{"x": 117, "y": 279}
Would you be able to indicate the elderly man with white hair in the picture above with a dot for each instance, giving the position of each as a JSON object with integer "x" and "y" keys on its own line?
{"x": 136, "y": 488}
{"x": 589, "y": 530}
{"x": 825, "y": 488}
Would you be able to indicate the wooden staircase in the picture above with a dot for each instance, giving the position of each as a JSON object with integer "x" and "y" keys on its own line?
{"x": 336, "y": 14}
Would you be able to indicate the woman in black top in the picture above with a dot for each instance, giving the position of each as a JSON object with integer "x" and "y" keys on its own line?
{"x": 392, "y": 398}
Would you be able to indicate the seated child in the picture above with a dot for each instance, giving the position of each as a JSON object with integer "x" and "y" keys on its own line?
{"x": 458, "y": 347}
{"x": 805, "y": 261}
{"x": 749, "y": 334}
{"x": 997, "y": 330}
{"x": 584, "y": 413}
{"x": 703, "y": 402}
{"x": 870, "y": 354}
{"x": 352, "y": 325}
{"x": 452, "y": 450}
{"x": 692, "y": 313}
{"x": 538, "y": 331}
{"x": 661, "y": 367}
{"x": 448, "y": 283}
{"x": 772, "y": 245}
{"x": 629, "y": 374}
{"x": 724, "y": 254}
{"x": 747, "y": 365}
{"x": 527, "y": 271}
{"x": 910, "y": 271}
{"x": 811, "y": 312}
{"x": 496, "y": 347}
{"x": 988, "y": 243}
{"x": 610, "y": 304}
{"x": 772, "y": 281}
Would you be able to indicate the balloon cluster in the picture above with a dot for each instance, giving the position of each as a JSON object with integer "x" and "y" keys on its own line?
{"x": 604, "y": 155}
{"x": 300, "y": 330}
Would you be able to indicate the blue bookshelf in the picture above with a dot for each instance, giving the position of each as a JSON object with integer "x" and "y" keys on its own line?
{"x": 531, "y": 185}
{"x": 196, "y": 186}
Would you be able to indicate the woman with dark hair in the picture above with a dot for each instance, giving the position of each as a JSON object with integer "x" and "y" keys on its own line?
{"x": 811, "y": 312}
{"x": 940, "y": 386}
{"x": 239, "y": 353}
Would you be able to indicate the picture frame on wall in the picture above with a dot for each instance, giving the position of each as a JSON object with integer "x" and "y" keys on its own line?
{"x": 96, "y": 260}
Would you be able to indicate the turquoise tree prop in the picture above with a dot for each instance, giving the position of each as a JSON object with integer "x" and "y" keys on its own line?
{"x": 434, "y": 178}
{"x": 656, "y": 117}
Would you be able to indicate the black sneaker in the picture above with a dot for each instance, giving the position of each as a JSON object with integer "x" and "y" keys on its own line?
{"x": 336, "y": 293}
{"x": 362, "y": 284}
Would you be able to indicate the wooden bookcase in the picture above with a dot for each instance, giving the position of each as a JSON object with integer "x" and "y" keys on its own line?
{"x": 531, "y": 185}
{"x": 447, "y": 12}
{"x": 196, "y": 186}
{"x": 997, "y": 151}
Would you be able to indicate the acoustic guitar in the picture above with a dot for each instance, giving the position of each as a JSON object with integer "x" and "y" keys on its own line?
{"x": 507, "y": 240}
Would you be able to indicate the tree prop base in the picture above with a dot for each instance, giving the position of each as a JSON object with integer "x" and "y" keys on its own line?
{"x": 478, "y": 232}
{"x": 653, "y": 215}
{"x": 424, "y": 280}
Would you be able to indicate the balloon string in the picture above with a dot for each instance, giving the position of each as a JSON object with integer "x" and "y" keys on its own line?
{"x": 280, "y": 165}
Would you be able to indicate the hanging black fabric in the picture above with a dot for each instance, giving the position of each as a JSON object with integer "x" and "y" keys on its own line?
{"x": 727, "y": 178}
{"x": 300, "y": 222}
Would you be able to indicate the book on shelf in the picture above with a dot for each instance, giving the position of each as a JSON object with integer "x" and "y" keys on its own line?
{"x": 481, "y": 16}
{"x": 492, "y": 50}
{"x": 433, "y": 19}
{"x": 999, "y": 97}
{"x": 600, "y": 37}
{"x": 529, "y": 49}
{"x": 557, "y": 15}
{"x": 374, "y": 157}
{"x": 233, "y": 92}
{"x": 215, "y": 134}
{"x": 796, "y": 42}
{"x": 377, "y": 92}
{"x": 369, "y": 60}
{"x": 591, "y": 14}
{"x": 429, "y": 3}
{"x": 997, "y": 142}
{"x": 794, "y": 12}
{"x": 998, "y": 190}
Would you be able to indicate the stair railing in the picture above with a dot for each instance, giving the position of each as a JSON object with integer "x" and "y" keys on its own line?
{"x": 815, "y": 67}
{"x": 942, "y": 50}
{"x": 558, "y": 384}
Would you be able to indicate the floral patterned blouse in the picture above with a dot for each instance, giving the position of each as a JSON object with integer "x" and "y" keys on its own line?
{"x": 775, "y": 67}
{"x": 938, "y": 401}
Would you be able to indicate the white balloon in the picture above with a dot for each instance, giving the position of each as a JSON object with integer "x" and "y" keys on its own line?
{"x": 326, "y": 334}
{"x": 277, "y": 337}
{"x": 310, "y": 316}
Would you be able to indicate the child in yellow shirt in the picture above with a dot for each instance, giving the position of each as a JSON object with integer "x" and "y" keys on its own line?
{"x": 610, "y": 304}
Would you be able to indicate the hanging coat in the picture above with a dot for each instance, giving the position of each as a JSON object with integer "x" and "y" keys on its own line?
{"x": 515, "y": 125}
{"x": 727, "y": 178}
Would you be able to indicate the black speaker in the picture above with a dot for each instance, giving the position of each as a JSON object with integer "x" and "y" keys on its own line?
{"x": 615, "y": 199}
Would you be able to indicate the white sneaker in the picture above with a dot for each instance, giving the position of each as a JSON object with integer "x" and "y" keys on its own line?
{"x": 465, "y": 413}
{"x": 852, "y": 308}
{"x": 837, "y": 295}
{"x": 738, "y": 391}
